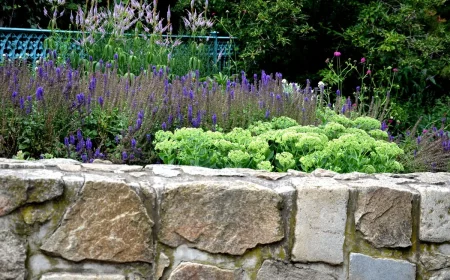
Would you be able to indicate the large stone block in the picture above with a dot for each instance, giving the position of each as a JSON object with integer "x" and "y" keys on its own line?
{"x": 79, "y": 276}
{"x": 367, "y": 268}
{"x": 320, "y": 220}
{"x": 18, "y": 187}
{"x": 434, "y": 213}
{"x": 108, "y": 222}
{"x": 220, "y": 216}
{"x": 195, "y": 271}
{"x": 384, "y": 216}
{"x": 272, "y": 270}
{"x": 12, "y": 257}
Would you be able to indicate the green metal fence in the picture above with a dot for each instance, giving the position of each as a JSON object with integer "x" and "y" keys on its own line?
{"x": 29, "y": 43}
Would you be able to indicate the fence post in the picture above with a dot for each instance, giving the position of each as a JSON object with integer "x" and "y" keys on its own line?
{"x": 216, "y": 45}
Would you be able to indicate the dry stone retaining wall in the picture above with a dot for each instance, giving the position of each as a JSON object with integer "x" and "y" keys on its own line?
{"x": 60, "y": 219}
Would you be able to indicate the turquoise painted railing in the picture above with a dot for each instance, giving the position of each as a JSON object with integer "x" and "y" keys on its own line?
{"x": 29, "y": 43}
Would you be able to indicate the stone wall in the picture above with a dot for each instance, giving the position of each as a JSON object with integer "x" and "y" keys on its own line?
{"x": 60, "y": 219}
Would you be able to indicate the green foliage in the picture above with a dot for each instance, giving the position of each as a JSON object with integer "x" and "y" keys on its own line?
{"x": 411, "y": 35}
{"x": 268, "y": 27}
{"x": 331, "y": 146}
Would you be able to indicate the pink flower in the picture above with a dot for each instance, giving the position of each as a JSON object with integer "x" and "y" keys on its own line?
{"x": 337, "y": 54}
{"x": 368, "y": 72}
{"x": 395, "y": 70}
{"x": 424, "y": 131}
{"x": 363, "y": 59}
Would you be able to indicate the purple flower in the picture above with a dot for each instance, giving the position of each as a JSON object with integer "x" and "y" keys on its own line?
{"x": 384, "y": 126}
{"x": 90, "y": 58}
{"x": 267, "y": 114}
{"x": 66, "y": 141}
{"x": 214, "y": 119}
{"x": 133, "y": 143}
{"x": 100, "y": 101}
{"x": 358, "y": 89}
{"x": 92, "y": 84}
{"x": 164, "y": 126}
{"x": 88, "y": 144}
{"x": 97, "y": 153}
{"x": 419, "y": 139}
{"x": 141, "y": 114}
{"x": 80, "y": 98}
{"x": 338, "y": 92}
{"x": 72, "y": 139}
{"x": 138, "y": 124}
{"x": 116, "y": 56}
{"x": 117, "y": 139}
{"x": 190, "y": 113}
{"x": 337, "y": 54}
{"x": 79, "y": 135}
{"x": 149, "y": 137}
{"x": 363, "y": 59}
{"x": 124, "y": 156}
{"x": 14, "y": 95}
{"x": 84, "y": 158}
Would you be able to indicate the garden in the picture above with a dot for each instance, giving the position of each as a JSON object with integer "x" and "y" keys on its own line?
{"x": 134, "y": 92}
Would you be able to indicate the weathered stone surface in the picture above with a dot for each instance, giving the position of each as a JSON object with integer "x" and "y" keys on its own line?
{"x": 352, "y": 176}
{"x": 19, "y": 187}
{"x": 163, "y": 263}
{"x": 434, "y": 213}
{"x": 78, "y": 276}
{"x": 37, "y": 214}
{"x": 367, "y": 268}
{"x": 203, "y": 171}
{"x": 273, "y": 176}
{"x": 443, "y": 274}
{"x": 12, "y": 257}
{"x": 220, "y": 216}
{"x": 195, "y": 271}
{"x": 111, "y": 167}
{"x": 319, "y": 172}
{"x": 165, "y": 171}
{"x": 20, "y": 164}
{"x": 433, "y": 261}
{"x": 58, "y": 161}
{"x": 384, "y": 216}
{"x": 69, "y": 167}
{"x": 272, "y": 270}
{"x": 297, "y": 173}
{"x": 320, "y": 220}
{"x": 102, "y": 161}
{"x": 433, "y": 178}
{"x": 108, "y": 222}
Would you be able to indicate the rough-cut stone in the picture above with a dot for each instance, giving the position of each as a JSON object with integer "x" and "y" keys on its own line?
{"x": 77, "y": 276}
{"x": 297, "y": 173}
{"x": 57, "y": 161}
{"x": 384, "y": 216}
{"x": 102, "y": 161}
{"x": 434, "y": 213}
{"x": 18, "y": 188}
{"x": 220, "y": 216}
{"x": 367, "y": 268}
{"x": 272, "y": 270}
{"x": 111, "y": 167}
{"x": 162, "y": 170}
{"x": 20, "y": 164}
{"x": 108, "y": 222}
{"x": 69, "y": 167}
{"x": 37, "y": 214}
{"x": 433, "y": 261}
{"x": 163, "y": 263}
{"x": 12, "y": 257}
{"x": 433, "y": 178}
{"x": 443, "y": 274}
{"x": 203, "y": 171}
{"x": 319, "y": 172}
{"x": 195, "y": 271}
{"x": 273, "y": 176}
{"x": 352, "y": 176}
{"x": 320, "y": 220}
